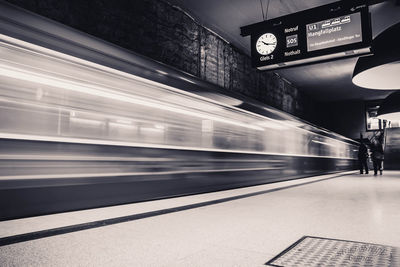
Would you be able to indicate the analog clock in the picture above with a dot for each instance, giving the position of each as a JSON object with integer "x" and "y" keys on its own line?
{"x": 266, "y": 44}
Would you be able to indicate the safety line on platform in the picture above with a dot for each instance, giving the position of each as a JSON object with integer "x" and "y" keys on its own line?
{"x": 4, "y": 241}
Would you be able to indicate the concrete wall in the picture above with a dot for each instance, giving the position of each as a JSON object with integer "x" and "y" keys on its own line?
{"x": 165, "y": 33}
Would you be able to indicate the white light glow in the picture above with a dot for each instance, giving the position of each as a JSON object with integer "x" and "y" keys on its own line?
{"x": 148, "y": 145}
{"x": 124, "y": 121}
{"x": 121, "y": 125}
{"x": 209, "y": 106}
{"x": 159, "y": 126}
{"x": 273, "y": 124}
{"x": 12, "y": 42}
{"x": 384, "y": 77}
{"x": 322, "y": 143}
{"x": 185, "y": 79}
{"x": 395, "y": 116}
{"x": 86, "y": 121}
{"x": 119, "y": 174}
{"x": 94, "y": 90}
{"x": 162, "y": 72}
{"x": 153, "y": 130}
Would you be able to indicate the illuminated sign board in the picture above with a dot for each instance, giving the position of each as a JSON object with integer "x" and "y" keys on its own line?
{"x": 334, "y": 32}
{"x": 324, "y": 33}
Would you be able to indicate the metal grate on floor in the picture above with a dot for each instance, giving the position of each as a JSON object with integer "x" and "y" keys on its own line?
{"x": 317, "y": 251}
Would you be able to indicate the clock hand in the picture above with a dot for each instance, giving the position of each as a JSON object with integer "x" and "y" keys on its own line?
{"x": 268, "y": 43}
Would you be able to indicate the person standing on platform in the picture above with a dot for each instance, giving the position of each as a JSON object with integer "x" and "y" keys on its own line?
{"x": 362, "y": 157}
{"x": 377, "y": 155}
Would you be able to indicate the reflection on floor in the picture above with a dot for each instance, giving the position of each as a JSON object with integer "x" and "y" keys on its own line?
{"x": 243, "y": 232}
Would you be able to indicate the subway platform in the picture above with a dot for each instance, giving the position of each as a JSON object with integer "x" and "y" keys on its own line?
{"x": 355, "y": 218}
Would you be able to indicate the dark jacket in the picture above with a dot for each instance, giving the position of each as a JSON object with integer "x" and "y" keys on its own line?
{"x": 362, "y": 151}
{"x": 377, "y": 151}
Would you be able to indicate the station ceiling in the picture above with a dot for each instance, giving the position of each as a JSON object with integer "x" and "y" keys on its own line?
{"x": 329, "y": 81}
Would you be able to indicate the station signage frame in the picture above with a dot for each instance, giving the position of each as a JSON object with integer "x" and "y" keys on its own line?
{"x": 333, "y": 31}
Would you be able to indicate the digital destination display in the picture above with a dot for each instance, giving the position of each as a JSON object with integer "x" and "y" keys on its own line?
{"x": 337, "y": 30}
{"x": 334, "y": 32}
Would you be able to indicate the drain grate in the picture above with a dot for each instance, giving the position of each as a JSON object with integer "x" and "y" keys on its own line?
{"x": 317, "y": 251}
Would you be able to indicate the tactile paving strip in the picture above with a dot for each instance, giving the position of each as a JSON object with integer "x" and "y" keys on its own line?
{"x": 316, "y": 251}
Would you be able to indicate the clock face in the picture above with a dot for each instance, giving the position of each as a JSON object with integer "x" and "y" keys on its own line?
{"x": 266, "y": 44}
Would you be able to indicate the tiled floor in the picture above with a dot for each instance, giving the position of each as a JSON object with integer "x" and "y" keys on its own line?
{"x": 243, "y": 232}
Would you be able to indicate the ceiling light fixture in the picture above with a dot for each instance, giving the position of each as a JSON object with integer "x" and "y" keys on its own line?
{"x": 390, "y": 108}
{"x": 381, "y": 70}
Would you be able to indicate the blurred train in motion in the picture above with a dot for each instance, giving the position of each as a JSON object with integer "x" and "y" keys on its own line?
{"x": 86, "y": 124}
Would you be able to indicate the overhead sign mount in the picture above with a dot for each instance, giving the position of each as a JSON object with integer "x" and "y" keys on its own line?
{"x": 324, "y": 33}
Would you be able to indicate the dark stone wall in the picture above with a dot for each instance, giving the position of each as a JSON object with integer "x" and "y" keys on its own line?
{"x": 165, "y": 33}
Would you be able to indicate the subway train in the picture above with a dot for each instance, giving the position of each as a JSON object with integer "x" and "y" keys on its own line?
{"x": 84, "y": 124}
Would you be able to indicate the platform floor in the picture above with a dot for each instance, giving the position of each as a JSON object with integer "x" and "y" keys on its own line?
{"x": 243, "y": 230}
